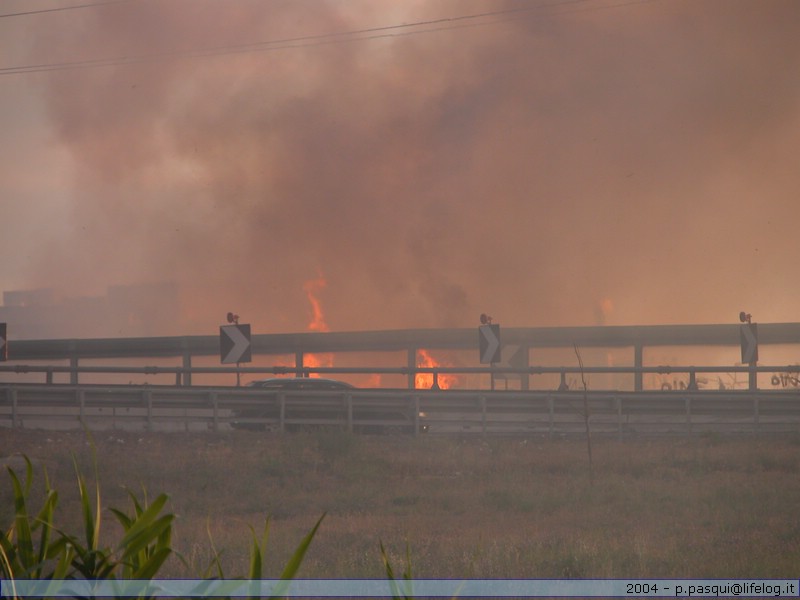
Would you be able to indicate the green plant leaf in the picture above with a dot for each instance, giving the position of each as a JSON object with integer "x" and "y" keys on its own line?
{"x": 45, "y": 520}
{"x": 123, "y": 519}
{"x": 387, "y": 565}
{"x": 91, "y": 526}
{"x": 144, "y": 520}
{"x": 256, "y": 559}
{"x": 153, "y": 564}
{"x": 296, "y": 560}
{"x": 293, "y": 565}
{"x": 24, "y": 553}
{"x": 147, "y": 528}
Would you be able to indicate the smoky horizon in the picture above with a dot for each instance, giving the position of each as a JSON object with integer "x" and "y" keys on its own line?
{"x": 344, "y": 166}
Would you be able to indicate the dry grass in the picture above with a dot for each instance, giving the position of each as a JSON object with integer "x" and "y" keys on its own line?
{"x": 471, "y": 507}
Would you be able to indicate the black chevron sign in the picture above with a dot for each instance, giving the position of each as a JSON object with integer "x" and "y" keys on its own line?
{"x": 489, "y": 343}
{"x": 234, "y": 344}
{"x": 749, "y": 338}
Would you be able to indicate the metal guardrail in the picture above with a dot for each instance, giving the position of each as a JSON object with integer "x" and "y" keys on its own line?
{"x": 720, "y": 334}
{"x": 547, "y": 414}
{"x": 637, "y": 339}
{"x": 781, "y": 371}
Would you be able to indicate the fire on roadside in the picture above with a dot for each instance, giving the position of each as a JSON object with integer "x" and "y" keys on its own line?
{"x": 425, "y": 380}
{"x": 312, "y": 287}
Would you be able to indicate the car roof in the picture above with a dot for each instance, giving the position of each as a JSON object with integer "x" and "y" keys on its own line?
{"x": 300, "y": 383}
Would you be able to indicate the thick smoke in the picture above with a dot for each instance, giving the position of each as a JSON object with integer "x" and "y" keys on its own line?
{"x": 541, "y": 165}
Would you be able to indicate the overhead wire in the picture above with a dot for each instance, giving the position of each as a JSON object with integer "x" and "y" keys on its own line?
{"x": 61, "y": 8}
{"x": 350, "y": 36}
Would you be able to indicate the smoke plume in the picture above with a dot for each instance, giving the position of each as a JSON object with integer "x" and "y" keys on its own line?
{"x": 534, "y": 163}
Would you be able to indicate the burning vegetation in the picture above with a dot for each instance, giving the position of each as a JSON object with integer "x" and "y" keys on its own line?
{"x": 425, "y": 380}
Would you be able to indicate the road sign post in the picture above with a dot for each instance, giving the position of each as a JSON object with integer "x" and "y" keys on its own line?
{"x": 748, "y": 334}
{"x": 489, "y": 345}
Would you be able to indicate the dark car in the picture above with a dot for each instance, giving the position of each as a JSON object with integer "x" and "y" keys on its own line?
{"x": 308, "y": 403}
{"x": 300, "y": 383}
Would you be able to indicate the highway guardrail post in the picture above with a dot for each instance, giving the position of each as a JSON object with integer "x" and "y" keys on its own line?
{"x": 12, "y": 393}
{"x": 215, "y": 408}
{"x": 187, "y": 373}
{"x": 638, "y": 360}
{"x": 756, "y": 415}
{"x": 688, "y": 402}
{"x": 282, "y": 419}
{"x": 563, "y": 387}
{"x": 147, "y": 397}
{"x": 416, "y": 416}
{"x": 81, "y": 397}
{"x": 348, "y": 400}
{"x": 692, "y": 381}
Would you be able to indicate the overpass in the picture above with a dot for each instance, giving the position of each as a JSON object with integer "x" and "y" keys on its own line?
{"x": 636, "y": 338}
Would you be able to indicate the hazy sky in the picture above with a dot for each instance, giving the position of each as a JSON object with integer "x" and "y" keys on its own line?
{"x": 570, "y": 163}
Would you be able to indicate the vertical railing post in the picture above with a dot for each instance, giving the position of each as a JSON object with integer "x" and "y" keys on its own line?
{"x": 416, "y": 416}
{"x": 689, "y": 415}
{"x": 756, "y": 415}
{"x": 525, "y": 378}
{"x": 692, "y": 381}
{"x": 282, "y": 418}
{"x": 482, "y": 401}
{"x": 81, "y": 396}
{"x": 638, "y": 360}
{"x": 12, "y": 392}
{"x": 562, "y": 386}
{"x": 147, "y": 396}
{"x": 187, "y": 364}
{"x": 215, "y": 408}
{"x": 73, "y": 374}
{"x": 412, "y": 364}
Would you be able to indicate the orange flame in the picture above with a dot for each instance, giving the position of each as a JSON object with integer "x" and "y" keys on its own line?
{"x": 317, "y": 360}
{"x": 312, "y": 288}
{"x": 425, "y": 380}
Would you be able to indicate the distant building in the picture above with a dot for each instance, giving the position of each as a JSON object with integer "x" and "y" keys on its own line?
{"x": 140, "y": 310}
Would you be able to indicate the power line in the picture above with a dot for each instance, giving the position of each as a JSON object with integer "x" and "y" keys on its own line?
{"x": 61, "y": 8}
{"x": 356, "y": 35}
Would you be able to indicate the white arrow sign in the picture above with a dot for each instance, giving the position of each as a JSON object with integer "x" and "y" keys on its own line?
{"x": 234, "y": 344}
{"x": 749, "y": 339}
{"x": 489, "y": 343}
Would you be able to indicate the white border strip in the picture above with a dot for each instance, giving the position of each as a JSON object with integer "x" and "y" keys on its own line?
{"x": 382, "y": 588}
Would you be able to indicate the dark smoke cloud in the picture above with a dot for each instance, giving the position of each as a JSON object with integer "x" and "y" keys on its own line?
{"x": 541, "y": 166}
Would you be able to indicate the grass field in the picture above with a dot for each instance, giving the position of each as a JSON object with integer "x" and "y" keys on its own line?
{"x": 466, "y": 507}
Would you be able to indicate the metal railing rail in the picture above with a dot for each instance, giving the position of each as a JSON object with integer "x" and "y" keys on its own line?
{"x": 547, "y": 413}
{"x": 518, "y": 342}
{"x": 179, "y": 372}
